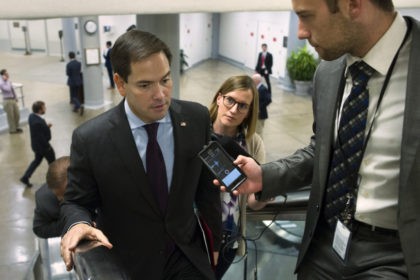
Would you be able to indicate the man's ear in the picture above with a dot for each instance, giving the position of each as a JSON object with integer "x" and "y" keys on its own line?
{"x": 120, "y": 83}
{"x": 354, "y": 7}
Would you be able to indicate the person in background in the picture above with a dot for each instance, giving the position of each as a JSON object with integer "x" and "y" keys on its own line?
{"x": 363, "y": 215}
{"x": 264, "y": 100}
{"x": 233, "y": 113}
{"x": 264, "y": 65}
{"x": 40, "y": 140}
{"x": 47, "y": 222}
{"x": 108, "y": 65}
{"x": 145, "y": 213}
{"x": 74, "y": 81}
{"x": 10, "y": 103}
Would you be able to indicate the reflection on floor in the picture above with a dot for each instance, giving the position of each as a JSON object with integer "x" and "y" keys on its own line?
{"x": 43, "y": 78}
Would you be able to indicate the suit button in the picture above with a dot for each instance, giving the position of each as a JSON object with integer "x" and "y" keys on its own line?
{"x": 310, "y": 233}
{"x": 317, "y": 207}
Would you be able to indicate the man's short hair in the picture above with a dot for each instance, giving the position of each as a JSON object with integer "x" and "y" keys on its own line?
{"x": 134, "y": 46}
{"x": 385, "y": 5}
{"x": 57, "y": 173}
{"x": 37, "y": 106}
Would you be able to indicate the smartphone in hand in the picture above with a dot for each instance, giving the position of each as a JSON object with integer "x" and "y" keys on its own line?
{"x": 221, "y": 166}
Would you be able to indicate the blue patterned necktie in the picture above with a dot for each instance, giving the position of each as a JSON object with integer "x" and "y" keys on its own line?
{"x": 340, "y": 202}
{"x": 156, "y": 170}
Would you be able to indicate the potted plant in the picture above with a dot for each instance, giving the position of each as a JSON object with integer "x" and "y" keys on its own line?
{"x": 301, "y": 65}
{"x": 183, "y": 62}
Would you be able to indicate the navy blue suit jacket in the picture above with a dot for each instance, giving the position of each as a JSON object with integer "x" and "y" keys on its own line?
{"x": 264, "y": 99}
{"x": 40, "y": 133}
{"x": 74, "y": 73}
{"x": 47, "y": 222}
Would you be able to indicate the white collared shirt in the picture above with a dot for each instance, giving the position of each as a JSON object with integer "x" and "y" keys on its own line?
{"x": 377, "y": 197}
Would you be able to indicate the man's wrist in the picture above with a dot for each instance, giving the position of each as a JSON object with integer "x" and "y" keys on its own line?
{"x": 78, "y": 223}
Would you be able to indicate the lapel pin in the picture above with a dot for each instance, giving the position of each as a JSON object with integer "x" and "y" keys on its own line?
{"x": 183, "y": 124}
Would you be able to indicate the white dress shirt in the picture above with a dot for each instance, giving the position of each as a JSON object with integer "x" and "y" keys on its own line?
{"x": 379, "y": 172}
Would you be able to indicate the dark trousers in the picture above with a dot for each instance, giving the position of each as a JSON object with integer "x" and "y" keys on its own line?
{"x": 179, "y": 267}
{"x": 267, "y": 79}
{"x": 49, "y": 155}
{"x": 371, "y": 255}
{"x": 226, "y": 257}
{"x": 74, "y": 93}
{"x": 110, "y": 75}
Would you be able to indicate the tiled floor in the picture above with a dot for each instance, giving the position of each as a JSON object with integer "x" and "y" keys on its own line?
{"x": 43, "y": 78}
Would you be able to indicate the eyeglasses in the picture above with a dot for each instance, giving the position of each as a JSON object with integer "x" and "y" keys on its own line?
{"x": 229, "y": 102}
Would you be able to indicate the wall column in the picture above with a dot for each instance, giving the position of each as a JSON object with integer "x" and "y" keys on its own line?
{"x": 69, "y": 36}
{"x": 293, "y": 43}
{"x": 166, "y": 28}
{"x": 91, "y": 64}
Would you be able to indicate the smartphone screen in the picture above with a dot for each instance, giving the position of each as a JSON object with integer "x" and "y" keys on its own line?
{"x": 221, "y": 165}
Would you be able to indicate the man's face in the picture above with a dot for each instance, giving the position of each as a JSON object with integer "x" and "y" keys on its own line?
{"x": 148, "y": 89}
{"x": 264, "y": 48}
{"x": 43, "y": 110}
{"x": 331, "y": 34}
{"x": 5, "y": 76}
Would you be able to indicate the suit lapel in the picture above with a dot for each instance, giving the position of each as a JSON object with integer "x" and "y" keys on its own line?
{"x": 411, "y": 125}
{"x": 125, "y": 145}
{"x": 179, "y": 123}
{"x": 326, "y": 108}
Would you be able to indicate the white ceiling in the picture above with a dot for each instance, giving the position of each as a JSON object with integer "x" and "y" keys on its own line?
{"x": 38, "y": 9}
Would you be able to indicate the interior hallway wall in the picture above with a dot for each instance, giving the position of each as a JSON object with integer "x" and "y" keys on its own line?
{"x": 240, "y": 35}
{"x": 196, "y": 35}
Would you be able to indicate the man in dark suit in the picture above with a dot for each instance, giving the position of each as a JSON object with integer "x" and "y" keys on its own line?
{"x": 108, "y": 65}
{"x": 40, "y": 140}
{"x": 74, "y": 81}
{"x": 109, "y": 171}
{"x": 378, "y": 233}
{"x": 264, "y": 64}
{"x": 47, "y": 222}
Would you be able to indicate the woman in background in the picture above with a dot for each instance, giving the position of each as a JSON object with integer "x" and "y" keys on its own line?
{"x": 234, "y": 113}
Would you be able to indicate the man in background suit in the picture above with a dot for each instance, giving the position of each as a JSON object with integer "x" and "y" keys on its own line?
{"x": 40, "y": 140}
{"x": 264, "y": 64}
{"x": 47, "y": 222}
{"x": 108, "y": 65}
{"x": 109, "y": 172}
{"x": 74, "y": 81}
{"x": 264, "y": 99}
{"x": 380, "y": 240}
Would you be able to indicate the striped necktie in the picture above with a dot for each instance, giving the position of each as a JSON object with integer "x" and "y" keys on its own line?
{"x": 341, "y": 191}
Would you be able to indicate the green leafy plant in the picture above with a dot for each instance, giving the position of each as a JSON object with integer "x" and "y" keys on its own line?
{"x": 183, "y": 62}
{"x": 301, "y": 65}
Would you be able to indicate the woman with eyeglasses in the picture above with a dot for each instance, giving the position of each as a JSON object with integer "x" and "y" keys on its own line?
{"x": 234, "y": 113}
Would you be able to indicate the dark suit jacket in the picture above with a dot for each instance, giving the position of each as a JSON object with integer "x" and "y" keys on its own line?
{"x": 268, "y": 62}
{"x": 107, "y": 57}
{"x": 312, "y": 162}
{"x": 106, "y": 172}
{"x": 40, "y": 133}
{"x": 47, "y": 222}
{"x": 73, "y": 72}
{"x": 264, "y": 99}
